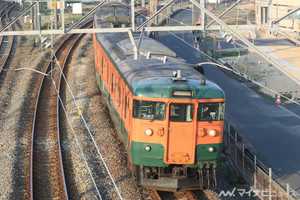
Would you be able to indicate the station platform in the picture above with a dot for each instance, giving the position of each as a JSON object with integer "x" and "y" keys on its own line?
{"x": 288, "y": 56}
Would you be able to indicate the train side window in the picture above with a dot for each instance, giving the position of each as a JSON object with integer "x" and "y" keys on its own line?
{"x": 112, "y": 83}
{"x": 102, "y": 65}
{"x": 119, "y": 89}
{"x": 125, "y": 106}
{"x": 107, "y": 71}
{"x": 210, "y": 111}
{"x": 180, "y": 112}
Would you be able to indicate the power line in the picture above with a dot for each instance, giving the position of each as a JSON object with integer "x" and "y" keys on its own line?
{"x": 219, "y": 64}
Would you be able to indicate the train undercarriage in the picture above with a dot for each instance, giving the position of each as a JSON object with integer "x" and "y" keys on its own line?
{"x": 176, "y": 178}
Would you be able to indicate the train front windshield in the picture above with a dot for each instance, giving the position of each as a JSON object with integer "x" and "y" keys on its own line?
{"x": 178, "y": 112}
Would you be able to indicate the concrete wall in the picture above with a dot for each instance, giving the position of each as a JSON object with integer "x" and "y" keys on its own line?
{"x": 214, "y": 1}
{"x": 279, "y": 8}
{"x": 295, "y": 3}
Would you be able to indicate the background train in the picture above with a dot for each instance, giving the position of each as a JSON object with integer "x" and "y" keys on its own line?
{"x": 169, "y": 116}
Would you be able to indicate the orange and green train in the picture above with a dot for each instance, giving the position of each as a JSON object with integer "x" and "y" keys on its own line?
{"x": 169, "y": 116}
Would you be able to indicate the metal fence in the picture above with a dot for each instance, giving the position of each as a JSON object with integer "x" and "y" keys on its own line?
{"x": 264, "y": 183}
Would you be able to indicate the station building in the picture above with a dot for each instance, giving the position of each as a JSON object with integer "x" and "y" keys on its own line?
{"x": 267, "y": 10}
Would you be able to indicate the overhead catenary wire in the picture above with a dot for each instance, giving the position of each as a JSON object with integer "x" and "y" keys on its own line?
{"x": 77, "y": 141}
{"x": 49, "y": 75}
{"x": 88, "y": 129}
{"x": 83, "y": 116}
{"x": 218, "y": 63}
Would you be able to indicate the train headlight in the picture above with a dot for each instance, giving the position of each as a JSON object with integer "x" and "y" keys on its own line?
{"x": 149, "y": 131}
{"x": 211, "y": 149}
{"x": 212, "y": 133}
{"x": 147, "y": 148}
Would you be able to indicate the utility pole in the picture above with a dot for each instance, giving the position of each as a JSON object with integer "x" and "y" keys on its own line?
{"x": 203, "y": 24}
{"x": 143, "y": 11}
{"x": 55, "y": 15}
{"x": 132, "y": 15}
{"x": 62, "y": 14}
{"x": 32, "y": 17}
{"x": 151, "y": 10}
{"x": 193, "y": 15}
{"x": 155, "y": 11}
{"x": 270, "y": 17}
{"x": 37, "y": 22}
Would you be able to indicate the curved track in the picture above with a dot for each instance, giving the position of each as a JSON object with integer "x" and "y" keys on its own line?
{"x": 184, "y": 195}
{"x": 8, "y": 44}
{"x": 47, "y": 173}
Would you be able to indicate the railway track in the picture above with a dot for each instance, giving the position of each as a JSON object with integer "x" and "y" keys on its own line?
{"x": 187, "y": 195}
{"x": 8, "y": 44}
{"x": 184, "y": 195}
{"x": 47, "y": 172}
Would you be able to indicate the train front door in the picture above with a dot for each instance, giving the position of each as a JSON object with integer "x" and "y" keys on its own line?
{"x": 181, "y": 134}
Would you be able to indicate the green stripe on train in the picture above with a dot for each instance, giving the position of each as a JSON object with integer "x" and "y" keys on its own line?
{"x": 155, "y": 157}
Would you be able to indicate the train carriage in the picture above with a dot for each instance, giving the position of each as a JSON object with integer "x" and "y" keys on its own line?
{"x": 169, "y": 116}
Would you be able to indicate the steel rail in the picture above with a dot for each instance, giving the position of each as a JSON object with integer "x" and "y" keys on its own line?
{"x": 33, "y": 127}
{"x": 1, "y": 15}
{"x": 58, "y": 97}
{"x": 154, "y": 194}
{"x": 13, "y": 38}
{"x": 57, "y": 111}
{"x": 13, "y": 21}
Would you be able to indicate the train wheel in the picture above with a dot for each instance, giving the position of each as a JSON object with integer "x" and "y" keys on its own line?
{"x": 214, "y": 176}
{"x": 208, "y": 178}
{"x": 201, "y": 179}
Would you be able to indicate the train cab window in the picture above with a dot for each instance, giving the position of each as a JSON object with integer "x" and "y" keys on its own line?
{"x": 210, "y": 111}
{"x": 149, "y": 110}
{"x": 180, "y": 112}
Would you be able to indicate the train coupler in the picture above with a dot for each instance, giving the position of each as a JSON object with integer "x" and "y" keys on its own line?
{"x": 179, "y": 172}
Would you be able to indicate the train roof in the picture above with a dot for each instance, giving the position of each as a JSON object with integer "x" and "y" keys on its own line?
{"x": 150, "y": 75}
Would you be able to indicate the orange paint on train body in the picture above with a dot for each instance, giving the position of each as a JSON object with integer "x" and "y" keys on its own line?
{"x": 171, "y": 150}
{"x": 115, "y": 85}
{"x": 179, "y": 138}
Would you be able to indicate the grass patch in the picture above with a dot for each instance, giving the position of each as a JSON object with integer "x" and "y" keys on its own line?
{"x": 222, "y": 54}
{"x": 27, "y": 26}
{"x": 30, "y": 37}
